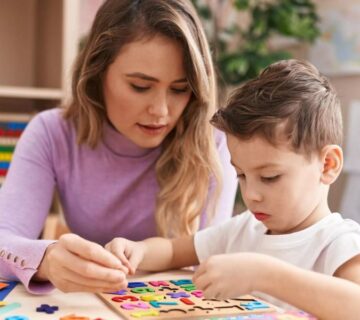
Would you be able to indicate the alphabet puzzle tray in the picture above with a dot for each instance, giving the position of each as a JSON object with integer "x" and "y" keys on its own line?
{"x": 177, "y": 299}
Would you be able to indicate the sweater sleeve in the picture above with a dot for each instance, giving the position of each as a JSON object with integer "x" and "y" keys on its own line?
{"x": 25, "y": 199}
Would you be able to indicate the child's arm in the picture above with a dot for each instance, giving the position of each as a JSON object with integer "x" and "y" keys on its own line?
{"x": 326, "y": 297}
{"x": 155, "y": 254}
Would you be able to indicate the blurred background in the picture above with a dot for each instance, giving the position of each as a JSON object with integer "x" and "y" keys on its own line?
{"x": 39, "y": 40}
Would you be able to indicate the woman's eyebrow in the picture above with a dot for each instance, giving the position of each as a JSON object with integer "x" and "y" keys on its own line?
{"x": 150, "y": 78}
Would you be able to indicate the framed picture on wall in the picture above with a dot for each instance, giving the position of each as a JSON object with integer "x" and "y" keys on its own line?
{"x": 337, "y": 51}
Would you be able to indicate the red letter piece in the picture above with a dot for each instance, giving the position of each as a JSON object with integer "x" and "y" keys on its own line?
{"x": 124, "y": 298}
{"x": 187, "y": 301}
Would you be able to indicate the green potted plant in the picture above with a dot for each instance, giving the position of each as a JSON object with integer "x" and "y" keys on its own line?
{"x": 242, "y": 52}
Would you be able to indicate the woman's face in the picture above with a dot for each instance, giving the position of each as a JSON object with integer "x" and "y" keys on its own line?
{"x": 146, "y": 90}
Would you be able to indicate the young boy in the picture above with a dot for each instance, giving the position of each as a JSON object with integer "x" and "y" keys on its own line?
{"x": 283, "y": 132}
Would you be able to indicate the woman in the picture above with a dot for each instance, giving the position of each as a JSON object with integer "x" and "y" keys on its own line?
{"x": 132, "y": 155}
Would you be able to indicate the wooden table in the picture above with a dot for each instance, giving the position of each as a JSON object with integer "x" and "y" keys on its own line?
{"x": 80, "y": 304}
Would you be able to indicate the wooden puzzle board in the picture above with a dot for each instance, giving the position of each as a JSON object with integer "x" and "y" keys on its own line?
{"x": 177, "y": 299}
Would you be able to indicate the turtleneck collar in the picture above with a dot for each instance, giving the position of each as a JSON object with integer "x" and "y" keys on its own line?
{"x": 121, "y": 145}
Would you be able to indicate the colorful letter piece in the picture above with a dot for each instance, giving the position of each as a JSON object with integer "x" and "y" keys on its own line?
{"x": 181, "y": 282}
{"x": 142, "y": 290}
{"x": 132, "y": 306}
{"x": 3, "y": 285}
{"x": 157, "y": 304}
{"x": 159, "y": 283}
{"x": 136, "y": 284}
{"x": 74, "y": 317}
{"x": 17, "y": 318}
{"x": 124, "y": 298}
{"x": 152, "y": 297}
{"x": 176, "y": 295}
{"x": 253, "y": 305}
{"x": 47, "y": 309}
{"x": 120, "y": 292}
{"x": 197, "y": 293}
{"x": 187, "y": 301}
{"x": 141, "y": 314}
{"x": 7, "y": 286}
{"x": 188, "y": 287}
{"x": 9, "y": 307}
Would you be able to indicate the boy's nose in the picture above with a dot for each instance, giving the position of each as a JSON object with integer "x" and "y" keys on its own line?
{"x": 250, "y": 193}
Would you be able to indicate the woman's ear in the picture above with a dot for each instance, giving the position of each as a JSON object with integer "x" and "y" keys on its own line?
{"x": 332, "y": 163}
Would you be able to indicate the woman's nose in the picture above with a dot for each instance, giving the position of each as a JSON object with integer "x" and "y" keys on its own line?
{"x": 159, "y": 106}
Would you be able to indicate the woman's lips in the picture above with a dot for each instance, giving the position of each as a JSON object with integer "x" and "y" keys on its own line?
{"x": 152, "y": 129}
{"x": 261, "y": 216}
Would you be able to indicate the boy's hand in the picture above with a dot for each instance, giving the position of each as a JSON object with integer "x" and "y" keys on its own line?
{"x": 230, "y": 275}
{"x": 130, "y": 253}
{"x": 73, "y": 264}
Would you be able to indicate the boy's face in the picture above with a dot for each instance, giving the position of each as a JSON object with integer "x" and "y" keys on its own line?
{"x": 280, "y": 187}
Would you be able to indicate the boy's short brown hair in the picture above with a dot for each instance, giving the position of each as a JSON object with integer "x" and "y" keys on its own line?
{"x": 290, "y": 93}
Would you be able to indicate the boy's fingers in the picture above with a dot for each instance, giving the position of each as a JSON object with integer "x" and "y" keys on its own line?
{"x": 199, "y": 271}
{"x": 90, "y": 251}
{"x": 124, "y": 260}
{"x": 134, "y": 262}
{"x": 202, "y": 282}
{"x": 119, "y": 252}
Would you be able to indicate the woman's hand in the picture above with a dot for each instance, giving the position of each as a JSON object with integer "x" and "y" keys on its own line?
{"x": 73, "y": 264}
{"x": 130, "y": 253}
{"x": 231, "y": 275}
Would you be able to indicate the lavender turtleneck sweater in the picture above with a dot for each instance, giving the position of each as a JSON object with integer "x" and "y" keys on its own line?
{"x": 106, "y": 192}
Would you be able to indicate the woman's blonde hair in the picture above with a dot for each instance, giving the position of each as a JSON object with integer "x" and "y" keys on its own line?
{"x": 189, "y": 162}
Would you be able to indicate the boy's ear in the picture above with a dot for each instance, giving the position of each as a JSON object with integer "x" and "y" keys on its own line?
{"x": 332, "y": 163}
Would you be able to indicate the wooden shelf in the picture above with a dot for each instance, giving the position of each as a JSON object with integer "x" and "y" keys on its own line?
{"x": 30, "y": 93}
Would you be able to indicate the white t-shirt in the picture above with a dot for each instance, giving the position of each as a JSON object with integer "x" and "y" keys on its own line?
{"x": 322, "y": 247}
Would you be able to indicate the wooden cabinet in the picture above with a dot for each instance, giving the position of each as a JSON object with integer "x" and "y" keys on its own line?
{"x": 38, "y": 44}
{"x": 38, "y": 41}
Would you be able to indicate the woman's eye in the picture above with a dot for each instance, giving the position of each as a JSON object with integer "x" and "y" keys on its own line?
{"x": 270, "y": 179}
{"x": 139, "y": 88}
{"x": 180, "y": 90}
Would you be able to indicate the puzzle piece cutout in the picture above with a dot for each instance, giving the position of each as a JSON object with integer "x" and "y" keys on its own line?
{"x": 177, "y": 299}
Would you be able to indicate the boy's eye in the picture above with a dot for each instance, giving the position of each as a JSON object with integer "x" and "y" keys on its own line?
{"x": 139, "y": 88}
{"x": 241, "y": 176}
{"x": 270, "y": 179}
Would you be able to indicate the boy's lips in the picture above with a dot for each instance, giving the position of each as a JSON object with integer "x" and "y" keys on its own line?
{"x": 261, "y": 216}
